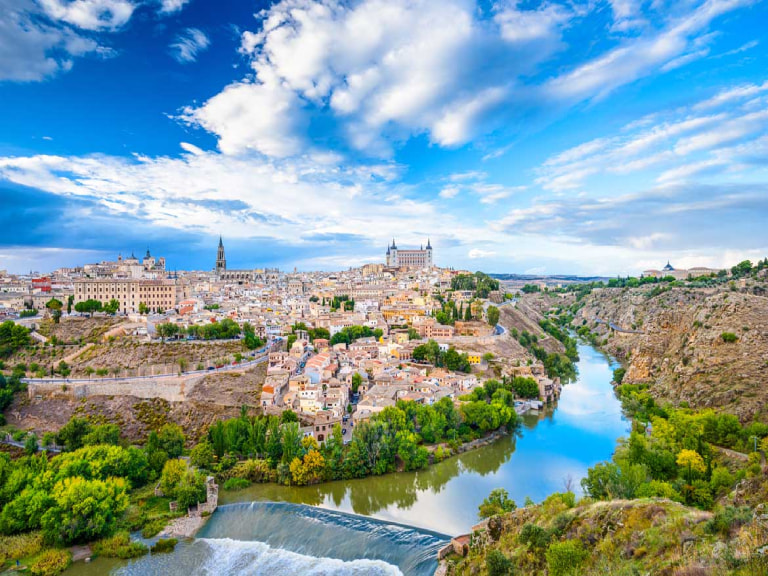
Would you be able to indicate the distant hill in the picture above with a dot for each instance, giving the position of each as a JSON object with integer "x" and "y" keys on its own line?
{"x": 546, "y": 278}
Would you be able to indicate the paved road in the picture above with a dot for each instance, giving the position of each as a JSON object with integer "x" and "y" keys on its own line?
{"x": 11, "y": 442}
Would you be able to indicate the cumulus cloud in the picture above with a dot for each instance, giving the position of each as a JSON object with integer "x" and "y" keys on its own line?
{"x": 38, "y": 41}
{"x": 189, "y": 44}
{"x": 171, "y": 6}
{"x": 381, "y": 72}
{"x": 90, "y": 14}
{"x": 387, "y": 70}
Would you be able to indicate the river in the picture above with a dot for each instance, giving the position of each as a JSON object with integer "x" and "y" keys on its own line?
{"x": 395, "y": 523}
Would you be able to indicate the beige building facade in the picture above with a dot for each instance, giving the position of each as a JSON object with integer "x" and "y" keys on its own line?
{"x": 157, "y": 295}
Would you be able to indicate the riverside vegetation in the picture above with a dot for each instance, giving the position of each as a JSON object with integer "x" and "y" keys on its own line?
{"x": 42, "y": 495}
{"x": 685, "y": 494}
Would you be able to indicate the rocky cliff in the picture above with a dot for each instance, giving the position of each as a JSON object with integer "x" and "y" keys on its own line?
{"x": 704, "y": 346}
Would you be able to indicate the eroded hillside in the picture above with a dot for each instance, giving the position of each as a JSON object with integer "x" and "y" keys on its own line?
{"x": 679, "y": 340}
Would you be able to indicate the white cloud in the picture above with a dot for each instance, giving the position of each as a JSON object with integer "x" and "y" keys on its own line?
{"x": 476, "y": 254}
{"x": 264, "y": 117}
{"x": 90, "y": 14}
{"x": 33, "y": 48}
{"x": 189, "y": 44}
{"x": 449, "y": 191}
{"x": 627, "y": 14}
{"x": 643, "y": 55}
{"x": 544, "y": 23}
{"x": 680, "y": 143}
{"x": 389, "y": 69}
{"x": 210, "y": 192}
{"x": 171, "y": 6}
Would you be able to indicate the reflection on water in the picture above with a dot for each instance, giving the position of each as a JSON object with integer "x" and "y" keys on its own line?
{"x": 553, "y": 446}
{"x": 279, "y": 537}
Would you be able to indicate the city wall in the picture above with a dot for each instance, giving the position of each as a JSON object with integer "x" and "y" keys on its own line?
{"x": 170, "y": 389}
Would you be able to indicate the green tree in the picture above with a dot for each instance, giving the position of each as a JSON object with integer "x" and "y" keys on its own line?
{"x": 172, "y": 439}
{"x": 357, "y": 380}
{"x": 72, "y": 434}
{"x": 202, "y": 455}
{"x": 30, "y": 445}
{"x": 112, "y": 307}
{"x": 493, "y": 315}
{"x": 173, "y": 471}
{"x": 525, "y": 387}
{"x": 55, "y": 306}
{"x": 497, "y": 502}
{"x": 84, "y": 510}
{"x": 143, "y": 308}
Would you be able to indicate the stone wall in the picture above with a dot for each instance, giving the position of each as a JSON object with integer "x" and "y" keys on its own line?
{"x": 170, "y": 389}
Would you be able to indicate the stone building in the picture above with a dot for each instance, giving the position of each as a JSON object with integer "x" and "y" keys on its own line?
{"x": 129, "y": 292}
{"x": 412, "y": 259}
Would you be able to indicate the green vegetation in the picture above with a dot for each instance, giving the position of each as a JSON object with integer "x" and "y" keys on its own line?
{"x": 556, "y": 364}
{"x": 351, "y": 333}
{"x": 88, "y": 306}
{"x": 119, "y": 546}
{"x": 493, "y": 315}
{"x": 224, "y": 330}
{"x": 12, "y": 338}
{"x": 497, "y": 502}
{"x": 729, "y": 337}
{"x": 50, "y": 562}
{"x": 164, "y": 545}
{"x": 450, "y": 359}
{"x": 560, "y": 537}
{"x": 480, "y": 283}
{"x": 266, "y": 449}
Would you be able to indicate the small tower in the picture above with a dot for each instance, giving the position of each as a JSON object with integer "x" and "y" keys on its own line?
{"x": 393, "y": 251}
{"x": 429, "y": 253}
{"x": 221, "y": 261}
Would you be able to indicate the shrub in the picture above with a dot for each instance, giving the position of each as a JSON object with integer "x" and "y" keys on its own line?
{"x": 119, "y": 546}
{"x": 236, "y": 484}
{"x": 164, "y": 545}
{"x": 727, "y": 519}
{"x": 535, "y": 536}
{"x": 565, "y": 557}
{"x": 20, "y": 546}
{"x": 153, "y": 527}
{"x": 498, "y": 564}
{"x": 729, "y": 337}
{"x": 50, "y": 562}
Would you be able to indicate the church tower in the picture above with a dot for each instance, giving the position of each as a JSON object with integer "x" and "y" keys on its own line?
{"x": 221, "y": 261}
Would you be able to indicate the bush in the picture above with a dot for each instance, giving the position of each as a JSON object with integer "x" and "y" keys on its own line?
{"x": 153, "y": 527}
{"x": 236, "y": 484}
{"x": 119, "y": 546}
{"x": 498, "y": 564}
{"x": 565, "y": 557}
{"x": 535, "y": 536}
{"x": 728, "y": 519}
{"x": 20, "y": 546}
{"x": 50, "y": 562}
{"x": 164, "y": 545}
{"x": 729, "y": 337}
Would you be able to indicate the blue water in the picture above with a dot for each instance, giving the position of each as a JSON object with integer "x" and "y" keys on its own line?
{"x": 554, "y": 451}
{"x": 395, "y": 524}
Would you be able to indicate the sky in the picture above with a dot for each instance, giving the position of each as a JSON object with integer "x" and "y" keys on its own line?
{"x": 559, "y": 137}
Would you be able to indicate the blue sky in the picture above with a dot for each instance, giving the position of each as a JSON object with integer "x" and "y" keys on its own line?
{"x": 595, "y": 137}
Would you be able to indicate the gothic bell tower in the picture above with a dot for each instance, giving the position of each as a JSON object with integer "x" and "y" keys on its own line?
{"x": 221, "y": 261}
